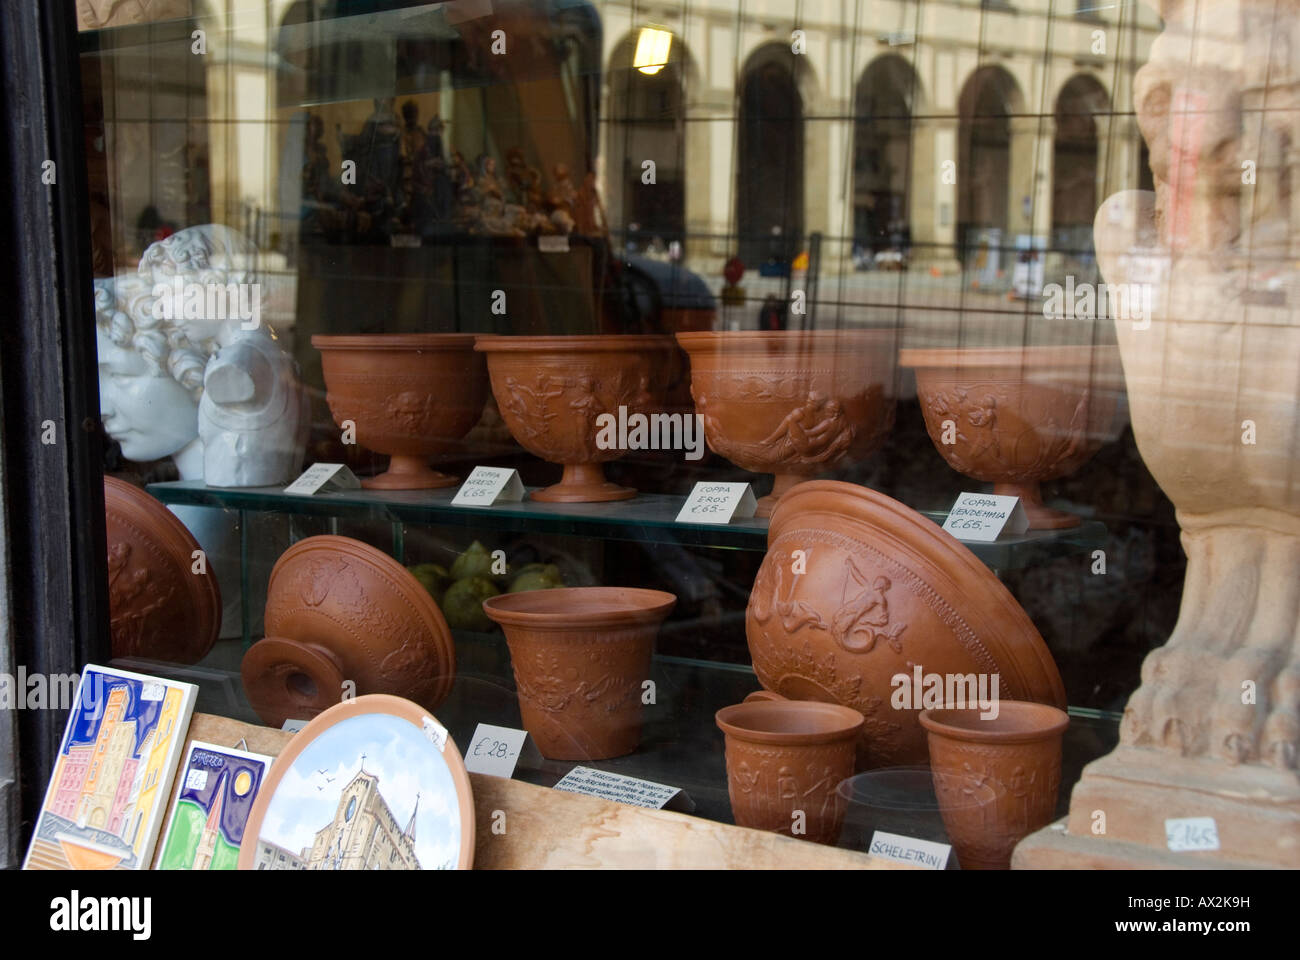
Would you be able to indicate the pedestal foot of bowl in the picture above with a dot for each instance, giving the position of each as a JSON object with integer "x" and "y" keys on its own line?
{"x": 409, "y": 473}
{"x": 783, "y": 483}
{"x": 289, "y": 680}
{"x": 583, "y": 483}
{"x": 1040, "y": 517}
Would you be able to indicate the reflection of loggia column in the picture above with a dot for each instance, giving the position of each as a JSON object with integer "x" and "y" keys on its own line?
{"x": 933, "y": 193}
{"x": 1214, "y": 390}
{"x": 1021, "y": 181}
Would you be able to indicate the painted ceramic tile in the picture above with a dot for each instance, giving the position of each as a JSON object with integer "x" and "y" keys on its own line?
{"x": 217, "y": 789}
{"x": 110, "y": 785}
{"x": 369, "y": 793}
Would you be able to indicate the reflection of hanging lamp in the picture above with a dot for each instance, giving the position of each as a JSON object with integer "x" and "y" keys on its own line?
{"x": 652, "y": 48}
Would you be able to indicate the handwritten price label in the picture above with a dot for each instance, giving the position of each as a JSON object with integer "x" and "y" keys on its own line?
{"x": 488, "y": 485}
{"x": 1191, "y": 833}
{"x": 494, "y": 750}
{"x": 718, "y": 503}
{"x": 984, "y": 516}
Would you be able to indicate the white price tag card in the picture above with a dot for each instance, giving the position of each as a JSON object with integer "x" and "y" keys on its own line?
{"x": 985, "y": 517}
{"x": 293, "y": 726}
{"x": 718, "y": 503}
{"x": 553, "y": 243}
{"x": 1191, "y": 833}
{"x": 495, "y": 750}
{"x": 488, "y": 485}
{"x": 614, "y": 786}
{"x": 435, "y": 733}
{"x": 917, "y": 853}
{"x": 324, "y": 478}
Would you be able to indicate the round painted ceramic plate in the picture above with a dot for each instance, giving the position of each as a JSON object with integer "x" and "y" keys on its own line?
{"x": 380, "y": 626}
{"x": 159, "y": 608}
{"x": 375, "y": 783}
{"x": 857, "y": 588}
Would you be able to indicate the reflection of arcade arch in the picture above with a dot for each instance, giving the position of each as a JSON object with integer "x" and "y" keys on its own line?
{"x": 1079, "y": 107}
{"x": 646, "y": 121}
{"x": 770, "y": 158}
{"x": 989, "y": 100}
{"x": 882, "y": 152}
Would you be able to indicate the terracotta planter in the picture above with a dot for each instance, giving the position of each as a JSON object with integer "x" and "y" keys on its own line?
{"x": 159, "y": 607}
{"x": 551, "y": 390}
{"x": 856, "y": 588}
{"x": 785, "y": 760}
{"x": 792, "y": 403}
{"x": 1017, "y": 416}
{"x": 1015, "y": 762}
{"x": 339, "y": 611}
{"x": 580, "y": 656}
{"x": 411, "y": 395}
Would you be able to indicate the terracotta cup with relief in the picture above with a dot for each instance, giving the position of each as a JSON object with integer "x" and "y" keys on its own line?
{"x": 554, "y": 391}
{"x": 785, "y": 759}
{"x": 581, "y": 656}
{"x": 792, "y": 403}
{"x": 1018, "y": 416}
{"x": 410, "y": 395}
{"x": 996, "y": 778}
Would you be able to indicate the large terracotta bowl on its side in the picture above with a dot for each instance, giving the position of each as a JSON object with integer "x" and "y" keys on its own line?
{"x": 1017, "y": 416}
{"x": 857, "y": 588}
{"x": 343, "y": 618}
{"x": 792, "y": 403}
{"x": 552, "y": 390}
{"x": 580, "y": 658}
{"x": 411, "y": 395}
{"x": 163, "y": 604}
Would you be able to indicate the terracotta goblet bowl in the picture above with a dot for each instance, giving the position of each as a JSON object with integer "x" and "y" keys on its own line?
{"x": 792, "y": 403}
{"x": 785, "y": 761}
{"x": 580, "y": 657}
{"x": 1018, "y": 416}
{"x": 552, "y": 391}
{"x": 410, "y": 395}
{"x": 1015, "y": 762}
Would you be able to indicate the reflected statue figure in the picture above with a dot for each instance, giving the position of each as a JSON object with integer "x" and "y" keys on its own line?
{"x": 253, "y": 415}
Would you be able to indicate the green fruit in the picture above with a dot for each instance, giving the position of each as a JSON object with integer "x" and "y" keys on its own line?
{"x": 474, "y": 562}
{"x": 462, "y": 604}
{"x": 537, "y": 576}
{"x": 432, "y": 576}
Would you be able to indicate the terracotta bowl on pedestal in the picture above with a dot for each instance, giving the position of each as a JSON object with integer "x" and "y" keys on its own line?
{"x": 580, "y": 658}
{"x": 160, "y": 606}
{"x": 792, "y": 403}
{"x": 996, "y": 777}
{"x": 338, "y": 611}
{"x": 410, "y": 395}
{"x": 552, "y": 390}
{"x": 1017, "y": 416}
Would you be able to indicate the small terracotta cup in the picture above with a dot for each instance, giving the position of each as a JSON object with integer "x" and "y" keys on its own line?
{"x": 997, "y": 779}
{"x": 580, "y": 656}
{"x": 785, "y": 759}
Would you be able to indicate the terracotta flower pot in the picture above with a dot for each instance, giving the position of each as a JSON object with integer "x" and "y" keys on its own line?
{"x": 551, "y": 390}
{"x": 580, "y": 656}
{"x": 160, "y": 608}
{"x": 997, "y": 779}
{"x": 340, "y": 611}
{"x": 785, "y": 760}
{"x": 856, "y": 589}
{"x": 1017, "y": 416}
{"x": 411, "y": 395}
{"x": 792, "y": 403}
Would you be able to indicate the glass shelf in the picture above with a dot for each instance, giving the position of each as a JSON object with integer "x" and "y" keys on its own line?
{"x": 648, "y": 517}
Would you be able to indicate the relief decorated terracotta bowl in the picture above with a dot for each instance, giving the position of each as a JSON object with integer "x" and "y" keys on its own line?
{"x": 856, "y": 589}
{"x": 785, "y": 761}
{"x": 551, "y": 391}
{"x": 410, "y": 395}
{"x": 792, "y": 403}
{"x": 1017, "y": 416}
{"x": 164, "y": 604}
{"x": 996, "y": 778}
{"x": 343, "y": 618}
{"x": 581, "y": 656}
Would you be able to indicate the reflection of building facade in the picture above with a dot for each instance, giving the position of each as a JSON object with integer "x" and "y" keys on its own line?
{"x": 364, "y": 835}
